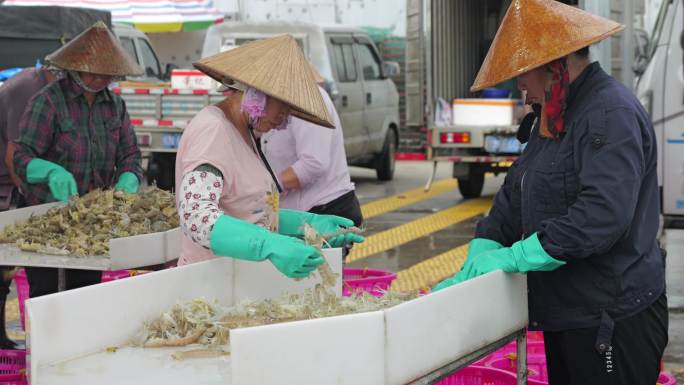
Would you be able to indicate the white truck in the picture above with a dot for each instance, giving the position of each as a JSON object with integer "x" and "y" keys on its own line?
{"x": 446, "y": 43}
{"x": 660, "y": 87}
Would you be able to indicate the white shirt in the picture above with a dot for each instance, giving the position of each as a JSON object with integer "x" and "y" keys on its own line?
{"x": 317, "y": 156}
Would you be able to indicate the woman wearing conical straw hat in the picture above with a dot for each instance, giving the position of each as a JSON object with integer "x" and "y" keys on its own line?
{"x": 578, "y": 211}
{"x": 227, "y": 195}
{"x": 76, "y": 136}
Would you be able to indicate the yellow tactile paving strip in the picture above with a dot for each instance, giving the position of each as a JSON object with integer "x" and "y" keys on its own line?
{"x": 385, "y": 205}
{"x": 426, "y": 274}
{"x": 408, "y": 232}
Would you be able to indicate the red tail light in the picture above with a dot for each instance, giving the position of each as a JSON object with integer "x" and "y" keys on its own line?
{"x": 454, "y": 137}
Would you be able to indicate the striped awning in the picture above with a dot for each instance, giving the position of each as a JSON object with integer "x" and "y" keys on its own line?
{"x": 147, "y": 15}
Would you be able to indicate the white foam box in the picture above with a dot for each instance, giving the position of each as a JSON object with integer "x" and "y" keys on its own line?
{"x": 124, "y": 253}
{"x": 485, "y": 112}
{"x": 190, "y": 79}
{"x": 68, "y": 332}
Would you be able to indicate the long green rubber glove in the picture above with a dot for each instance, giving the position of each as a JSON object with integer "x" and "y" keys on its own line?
{"x": 291, "y": 222}
{"x": 60, "y": 181}
{"x": 232, "y": 237}
{"x": 522, "y": 257}
{"x": 476, "y": 247}
{"x": 128, "y": 182}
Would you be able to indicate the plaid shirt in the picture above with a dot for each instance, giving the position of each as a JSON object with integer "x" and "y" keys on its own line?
{"x": 94, "y": 143}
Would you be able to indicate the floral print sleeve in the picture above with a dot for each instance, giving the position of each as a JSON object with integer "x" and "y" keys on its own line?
{"x": 198, "y": 204}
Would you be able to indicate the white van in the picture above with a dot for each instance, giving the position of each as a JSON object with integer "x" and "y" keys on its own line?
{"x": 357, "y": 80}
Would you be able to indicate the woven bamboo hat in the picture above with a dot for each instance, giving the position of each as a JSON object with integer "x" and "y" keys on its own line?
{"x": 96, "y": 50}
{"x": 536, "y": 32}
{"x": 276, "y": 67}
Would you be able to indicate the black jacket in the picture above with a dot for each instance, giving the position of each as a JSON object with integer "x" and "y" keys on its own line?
{"x": 593, "y": 197}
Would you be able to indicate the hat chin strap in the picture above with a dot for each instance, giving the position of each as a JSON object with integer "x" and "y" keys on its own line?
{"x": 77, "y": 78}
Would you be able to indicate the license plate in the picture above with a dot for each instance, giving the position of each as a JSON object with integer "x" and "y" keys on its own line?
{"x": 170, "y": 140}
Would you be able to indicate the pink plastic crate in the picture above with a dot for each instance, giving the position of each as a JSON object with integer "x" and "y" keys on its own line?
{"x": 12, "y": 367}
{"x": 479, "y": 375}
{"x": 666, "y": 379}
{"x": 373, "y": 281}
{"x": 22, "y": 285}
{"x": 115, "y": 274}
{"x": 533, "y": 347}
{"x": 536, "y": 366}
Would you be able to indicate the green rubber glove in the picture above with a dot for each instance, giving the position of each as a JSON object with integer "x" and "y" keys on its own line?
{"x": 521, "y": 257}
{"x": 291, "y": 222}
{"x": 61, "y": 182}
{"x": 232, "y": 237}
{"x": 476, "y": 247}
{"x": 128, "y": 182}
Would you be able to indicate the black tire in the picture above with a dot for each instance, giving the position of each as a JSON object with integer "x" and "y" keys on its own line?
{"x": 385, "y": 165}
{"x": 471, "y": 187}
{"x": 162, "y": 171}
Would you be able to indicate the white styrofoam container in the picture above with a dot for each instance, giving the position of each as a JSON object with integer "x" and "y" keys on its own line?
{"x": 485, "y": 112}
{"x": 67, "y": 332}
{"x": 190, "y": 79}
{"x": 124, "y": 253}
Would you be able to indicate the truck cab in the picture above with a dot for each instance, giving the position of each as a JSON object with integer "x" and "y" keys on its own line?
{"x": 660, "y": 88}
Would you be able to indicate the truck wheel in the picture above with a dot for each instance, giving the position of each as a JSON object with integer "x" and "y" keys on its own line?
{"x": 385, "y": 166}
{"x": 162, "y": 171}
{"x": 471, "y": 186}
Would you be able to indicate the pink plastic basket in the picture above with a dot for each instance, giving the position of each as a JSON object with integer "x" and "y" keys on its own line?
{"x": 536, "y": 366}
{"x": 12, "y": 367}
{"x": 479, "y": 375}
{"x": 373, "y": 281}
{"x": 22, "y": 285}
{"x": 533, "y": 347}
{"x": 666, "y": 379}
{"x": 114, "y": 275}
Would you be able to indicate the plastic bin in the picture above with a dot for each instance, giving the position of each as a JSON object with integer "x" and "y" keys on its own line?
{"x": 495, "y": 93}
{"x": 374, "y": 281}
{"x": 13, "y": 367}
{"x": 536, "y": 366}
{"x": 22, "y": 286}
{"x": 479, "y": 375}
{"x": 666, "y": 379}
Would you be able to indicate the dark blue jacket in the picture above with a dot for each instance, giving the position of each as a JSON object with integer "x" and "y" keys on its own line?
{"x": 593, "y": 197}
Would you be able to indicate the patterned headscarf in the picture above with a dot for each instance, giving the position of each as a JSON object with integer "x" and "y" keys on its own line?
{"x": 555, "y": 99}
{"x": 254, "y": 104}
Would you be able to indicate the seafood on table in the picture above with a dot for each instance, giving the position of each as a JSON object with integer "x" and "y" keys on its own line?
{"x": 86, "y": 224}
{"x": 207, "y": 323}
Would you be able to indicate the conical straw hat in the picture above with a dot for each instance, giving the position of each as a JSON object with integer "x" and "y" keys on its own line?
{"x": 276, "y": 67}
{"x": 536, "y": 32}
{"x": 96, "y": 50}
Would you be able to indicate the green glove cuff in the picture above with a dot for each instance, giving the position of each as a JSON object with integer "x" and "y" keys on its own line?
{"x": 128, "y": 182}
{"x": 232, "y": 237}
{"x": 530, "y": 256}
{"x": 479, "y": 245}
